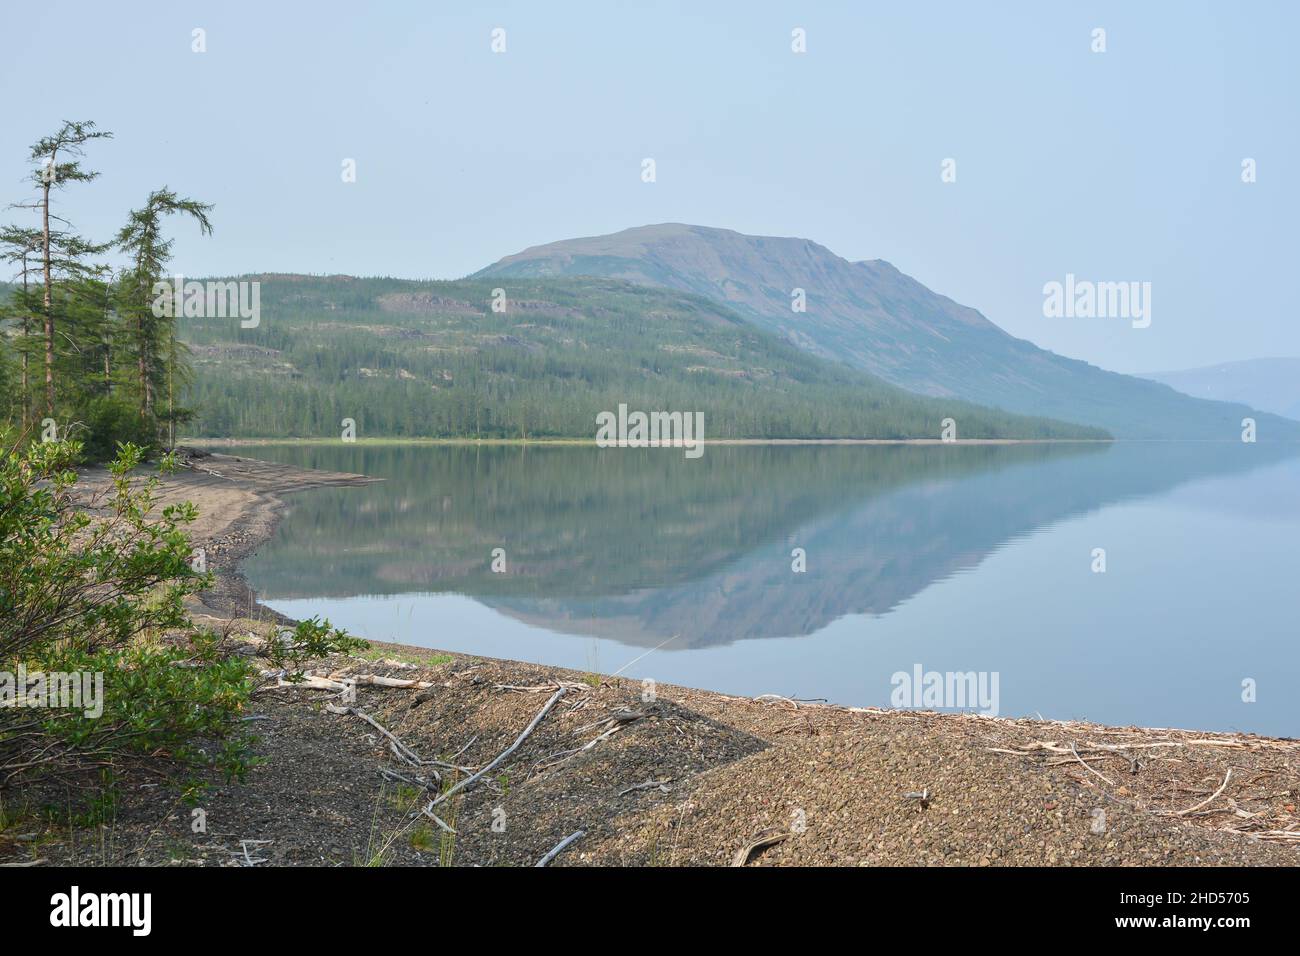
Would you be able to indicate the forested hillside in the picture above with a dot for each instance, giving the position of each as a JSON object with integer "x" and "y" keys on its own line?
{"x": 434, "y": 359}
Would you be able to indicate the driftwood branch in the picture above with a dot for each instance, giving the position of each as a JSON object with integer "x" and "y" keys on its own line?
{"x": 503, "y": 755}
{"x": 660, "y": 785}
{"x": 1210, "y": 799}
{"x": 442, "y": 824}
{"x": 760, "y": 842}
{"x": 404, "y": 752}
{"x": 555, "y": 850}
{"x": 379, "y": 680}
{"x": 1075, "y": 752}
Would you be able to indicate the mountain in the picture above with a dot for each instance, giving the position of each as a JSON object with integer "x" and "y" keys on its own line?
{"x": 1270, "y": 384}
{"x": 871, "y": 316}
{"x": 435, "y": 359}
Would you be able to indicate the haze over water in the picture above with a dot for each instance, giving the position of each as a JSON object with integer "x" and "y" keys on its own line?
{"x": 965, "y": 558}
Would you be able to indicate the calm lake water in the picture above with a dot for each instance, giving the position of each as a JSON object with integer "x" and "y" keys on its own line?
{"x": 953, "y": 559}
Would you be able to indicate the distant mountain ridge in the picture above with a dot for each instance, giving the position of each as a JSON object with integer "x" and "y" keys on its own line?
{"x": 1269, "y": 384}
{"x": 874, "y": 317}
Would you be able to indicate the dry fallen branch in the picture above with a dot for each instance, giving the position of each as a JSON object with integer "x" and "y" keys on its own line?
{"x": 555, "y": 851}
{"x": 250, "y": 860}
{"x": 542, "y": 688}
{"x": 626, "y": 715}
{"x": 1075, "y": 752}
{"x": 402, "y": 751}
{"x": 504, "y": 754}
{"x": 555, "y": 759}
{"x": 1209, "y": 799}
{"x": 922, "y": 797}
{"x": 760, "y": 842}
{"x": 463, "y": 749}
{"x": 1051, "y": 746}
{"x": 215, "y": 474}
{"x": 338, "y": 683}
{"x": 307, "y": 683}
{"x": 1231, "y": 744}
{"x": 777, "y": 697}
{"x": 660, "y": 785}
{"x": 442, "y": 824}
{"x": 378, "y": 680}
{"x": 390, "y": 774}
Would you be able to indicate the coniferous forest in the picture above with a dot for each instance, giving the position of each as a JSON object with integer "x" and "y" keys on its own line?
{"x": 84, "y": 355}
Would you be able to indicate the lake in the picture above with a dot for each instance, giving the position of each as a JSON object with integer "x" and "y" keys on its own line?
{"x": 957, "y": 560}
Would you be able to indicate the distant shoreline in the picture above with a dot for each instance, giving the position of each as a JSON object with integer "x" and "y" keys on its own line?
{"x": 591, "y": 442}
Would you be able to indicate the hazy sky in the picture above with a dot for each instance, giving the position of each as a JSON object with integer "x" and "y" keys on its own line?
{"x": 1123, "y": 165}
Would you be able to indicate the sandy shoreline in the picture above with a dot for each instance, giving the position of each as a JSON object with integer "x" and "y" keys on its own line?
{"x": 683, "y": 777}
{"x": 240, "y": 502}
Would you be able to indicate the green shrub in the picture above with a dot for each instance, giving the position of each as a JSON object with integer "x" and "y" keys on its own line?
{"x": 93, "y": 594}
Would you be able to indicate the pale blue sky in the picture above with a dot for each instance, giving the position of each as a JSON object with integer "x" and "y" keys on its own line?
{"x": 1114, "y": 166}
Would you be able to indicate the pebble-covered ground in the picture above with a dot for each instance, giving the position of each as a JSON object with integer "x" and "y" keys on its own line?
{"x": 690, "y": 778}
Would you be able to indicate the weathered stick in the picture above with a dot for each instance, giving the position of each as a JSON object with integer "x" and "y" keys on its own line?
{"x": 555, "y": 851}
{"x": 388, "y": 773}
{"x": 504, "y": 754}
{"x": 307, "y": 683}
{"x": 1210, "y": 799}
{"x": 442, "y": 824}
{"x": 403, "y": 751}
{"x": 760, "y": 842}
{"x": 554, "y": 760}
{"x": 378, "y": 680}
{"x": 1075, "y": 752}
{"x": 661, "y": 785}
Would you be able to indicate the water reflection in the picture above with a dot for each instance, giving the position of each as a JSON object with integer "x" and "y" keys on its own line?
{"x": 639, "y": 545}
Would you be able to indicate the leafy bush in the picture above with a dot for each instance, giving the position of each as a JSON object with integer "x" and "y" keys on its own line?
{"x": 91, "y": 589}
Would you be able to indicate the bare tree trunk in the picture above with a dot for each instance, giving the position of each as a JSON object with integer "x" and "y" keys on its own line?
{"x": 171, "y": 396}
{"x": 142, "y": 367}
{"x": 27, "y": 328}
{"x": 108, "y": 338}
{"x": 49, "y": 296}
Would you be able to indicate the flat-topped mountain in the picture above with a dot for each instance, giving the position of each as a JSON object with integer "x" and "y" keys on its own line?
{"x": 874, "y": 317}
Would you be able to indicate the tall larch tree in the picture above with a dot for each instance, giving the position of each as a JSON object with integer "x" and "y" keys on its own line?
{"x": 58, "y": 164}
{"x": 154, "y": 336}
